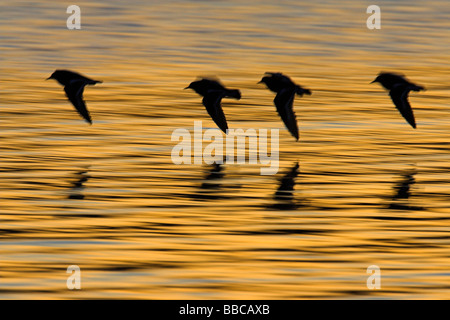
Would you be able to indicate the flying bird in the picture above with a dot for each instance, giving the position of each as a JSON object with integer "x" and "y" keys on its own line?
{"x": 285, "y": 89}
{"x": 213, "y": 92}
{"x": 399, "y": 89}
{"x": 74, "y": 84}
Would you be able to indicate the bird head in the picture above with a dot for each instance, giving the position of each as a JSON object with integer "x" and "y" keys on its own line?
{"x": 377, "y": 79}
{"x": 52, "y": 76}
{"x": 59, "y": 75}
{"x": 264, "y": 80}
{"x": 195, "y": 85}
{"x": 386, "y": 77}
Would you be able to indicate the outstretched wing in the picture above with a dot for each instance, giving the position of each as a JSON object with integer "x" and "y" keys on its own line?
{"x": 211, "y": 101}
{"x": 74, "y": 92}
{"x": 284, "y": 101}
{"x": 399, "y": 95}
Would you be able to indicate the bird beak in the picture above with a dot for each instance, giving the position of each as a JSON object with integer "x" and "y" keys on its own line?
{"x": 259, "y": 82}
{"x": 374, "y": 81}
{"x": 49, "y": 78}
{"x": 186, "y": 88}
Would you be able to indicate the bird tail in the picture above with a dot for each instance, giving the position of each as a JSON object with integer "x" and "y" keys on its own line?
{"x": 234, "y": 93}
{"x": 301, "y": 91}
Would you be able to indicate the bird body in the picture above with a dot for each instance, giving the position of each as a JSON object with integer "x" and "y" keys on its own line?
{"x": 399, "y": 89}
{"x": 286, "y": 90}
{"x": 74, "y": 84}
{"x": 277, "y": 82}
{"x": 213, "y": 92}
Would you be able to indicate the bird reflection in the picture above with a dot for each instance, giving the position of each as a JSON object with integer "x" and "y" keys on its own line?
{"x": 284, "y": 196}
{"x": 212, "y": 183}
{"x": 76, "y": 192}
{"x": 403, "y": 192}
{"x": 214, "y": 177}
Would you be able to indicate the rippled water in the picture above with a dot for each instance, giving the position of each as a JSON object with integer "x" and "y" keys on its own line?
{"x": 361, "y": 187}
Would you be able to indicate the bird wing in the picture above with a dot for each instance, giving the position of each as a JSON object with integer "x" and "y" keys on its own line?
{"x": 211, "y": 101}
{"x": 284, "y": 101}
{"x": 399, "y": 95}
{"x": 74, "y": 92}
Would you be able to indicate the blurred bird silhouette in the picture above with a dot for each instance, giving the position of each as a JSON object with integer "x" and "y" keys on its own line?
{"x": 399, "y": 89}
{"x": 74, "y": 84}
{"x": 284, "y": 100}
{"x": 213, "y": 92}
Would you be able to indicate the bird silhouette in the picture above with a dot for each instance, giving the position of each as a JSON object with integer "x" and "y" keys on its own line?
{"x": 285, "y": 89}
{"x": 213, "y": 92}
{"x": 399, "y": 89}
{"x": 74, "y": 84}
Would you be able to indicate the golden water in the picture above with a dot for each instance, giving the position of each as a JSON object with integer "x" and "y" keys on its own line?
{"x": 370, "y": 190}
